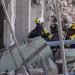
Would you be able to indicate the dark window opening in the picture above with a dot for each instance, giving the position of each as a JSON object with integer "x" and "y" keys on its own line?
{"x": 1, "y": 26}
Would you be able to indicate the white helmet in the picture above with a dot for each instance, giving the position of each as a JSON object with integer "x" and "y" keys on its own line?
{"x": 39, "y": 20}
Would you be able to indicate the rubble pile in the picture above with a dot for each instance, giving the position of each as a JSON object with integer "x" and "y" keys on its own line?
{"x": 66, "y": 7}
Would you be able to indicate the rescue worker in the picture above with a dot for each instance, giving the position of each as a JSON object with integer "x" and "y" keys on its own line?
{"x": 40, "y": 30}
{"x": 71, "y": 34}
{"x": 56, "y": 49}
{"x": 54, "y": 29}
{"x": 66, "y": 20}
{"x": 55, "y": 37}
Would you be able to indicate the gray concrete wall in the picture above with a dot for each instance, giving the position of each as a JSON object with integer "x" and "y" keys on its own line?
{"x": 35, "y": 13}
{"x": 22, "y": 19}
{"x": 8, "y": 40}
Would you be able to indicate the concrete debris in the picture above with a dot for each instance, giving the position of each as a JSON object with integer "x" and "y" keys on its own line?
{"x": 66, "y": 7}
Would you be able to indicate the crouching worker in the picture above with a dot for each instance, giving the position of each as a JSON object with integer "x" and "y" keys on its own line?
{"x": 71, "y": 35}
{"x": 39, "y": 30}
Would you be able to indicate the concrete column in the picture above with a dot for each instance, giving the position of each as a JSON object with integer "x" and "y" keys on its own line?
{"x": 42, "y": 8}
{"x": 22, "y": 19}
{"x": 10, "y": 4}
{"x": 36, "y": 12}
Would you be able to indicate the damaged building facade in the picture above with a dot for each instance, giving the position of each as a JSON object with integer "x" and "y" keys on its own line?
{"x": 22, "y": 15}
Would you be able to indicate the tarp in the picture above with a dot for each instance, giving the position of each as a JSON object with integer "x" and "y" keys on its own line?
{"x": 7, "y": 62}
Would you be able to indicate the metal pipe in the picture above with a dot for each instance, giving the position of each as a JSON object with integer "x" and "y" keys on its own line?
{"x": 13, "y": 36}
{"x": 57, "y": 43}
{"x": 29, "y": 15}
{"x": 61, "y": 38}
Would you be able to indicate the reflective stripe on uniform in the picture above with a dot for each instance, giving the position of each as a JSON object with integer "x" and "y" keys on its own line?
{"x": 72, "y": 37}
{"x": 50, "y": 36}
